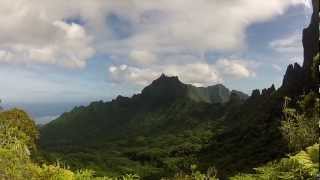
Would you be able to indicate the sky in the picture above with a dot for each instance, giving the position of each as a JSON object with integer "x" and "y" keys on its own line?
{"x": 58, "y": 54}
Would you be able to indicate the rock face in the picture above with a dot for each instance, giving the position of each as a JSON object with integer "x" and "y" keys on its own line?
{"x": 239, "y": 94}
{"x": 293, "y": 81}
{"x": 310, "y": 42}
{"x": 212, "y": 94}
{"x": 166, "y": 89}
{"x": 299, "y": 79}
{"x": 268, "y": 91}
{"x": 163, "y": 106}
{"x": 255, "y": 93}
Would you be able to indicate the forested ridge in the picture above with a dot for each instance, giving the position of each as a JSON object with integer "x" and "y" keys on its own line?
{"x": 177, "y": 131}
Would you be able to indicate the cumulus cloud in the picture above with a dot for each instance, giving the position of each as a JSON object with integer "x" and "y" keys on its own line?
{"x": 236, "y": 68}
{"x": 277, "y": 67}
{"x": 308, "y": 4}
{"x": 197, "y": 73}
{"x": 291, "y": 43}
{"x": 186, "y": 25}
{"x": 135, "y": 75}
{"x": 71, "y": 49}
{"x": 36, "y": 32}
{"x": 142, "y": 57}
{"x": 68, "y": 33}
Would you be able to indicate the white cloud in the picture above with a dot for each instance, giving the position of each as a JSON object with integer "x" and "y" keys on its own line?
{"x": 294, "y": 59}
{"x": 35, "y": 31}
{"x": 308, "y": 4}
{"x": 5, "y": 56}
{"x": 277, "y": 67}
{"x": 186, "y": 25}
{"x": 291, "y": 43}
{"x": 142, "y": 57}
{"x": 125, "y": 74}
{"x": 235, "y": 68}
{"x": 197, "y": 73}
{"x": 71, "y": 48}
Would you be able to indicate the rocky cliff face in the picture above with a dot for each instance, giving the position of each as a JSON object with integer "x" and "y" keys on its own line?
{"x": 299, "y": 79}
{"x": 167, "y": 89}
{"x": 310, "y": 42}
{"x": 212, "y": 94}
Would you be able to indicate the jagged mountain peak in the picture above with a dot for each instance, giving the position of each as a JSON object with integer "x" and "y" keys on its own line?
{"x": 239, "y": 94}
{"x": 220, "y": 86}
{"x": 297, "y": 79}
{"x": 168, "y": 88}
{"x": 164, "y": 89}
{"x": 165, "y": 79}
{"x": 212, "y": 94}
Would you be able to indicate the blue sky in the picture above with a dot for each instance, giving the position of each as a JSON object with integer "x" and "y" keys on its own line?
{"x": 57, "y": 54}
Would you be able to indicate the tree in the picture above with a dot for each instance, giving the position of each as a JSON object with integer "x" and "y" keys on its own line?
{"x": 15, "y": 161}
{"x": 300, "y": 126}
{"x": 21, "y": 121}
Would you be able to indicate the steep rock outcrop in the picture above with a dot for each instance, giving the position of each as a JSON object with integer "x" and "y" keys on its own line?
{"x": 297, "y": 79}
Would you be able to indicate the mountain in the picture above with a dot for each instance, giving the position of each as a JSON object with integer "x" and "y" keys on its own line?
{"x": 154, "y": 130}
{"x": 212, "y": 94}
{"x": 171, "y": 125}
{"x": 310, "y": 41}
{"x": 125, "y": 114}
{"x": 299, "y": 80}
{"x": 172, "y": 88}
{"x": 252, "y": 136}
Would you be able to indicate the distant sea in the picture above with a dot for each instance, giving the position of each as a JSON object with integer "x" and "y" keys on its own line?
{"x": 43, "y": 113}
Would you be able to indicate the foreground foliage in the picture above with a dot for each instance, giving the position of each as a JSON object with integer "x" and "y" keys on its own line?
{"x": 300, "y": 126}
{"x": 304, "y": 165}
{"x": 17, "y": 136}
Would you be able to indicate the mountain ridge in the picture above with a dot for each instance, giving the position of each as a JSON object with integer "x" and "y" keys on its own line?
{"x": 121, "y": 112}
{"x": 171, "y": 125}
{"x": 174, "y": 88}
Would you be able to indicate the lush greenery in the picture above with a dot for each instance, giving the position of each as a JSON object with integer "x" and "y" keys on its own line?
{"x": 17, "y": 135}
{"x": 153, "y": 134}
{"x": 304, "y": 165}
{"x": 175, "y": 131}
{"x": 300, "y": 126}
{"x": 15, "y": 161}
{"x": 197, "y": 134}
{"x": 162, "y": 143}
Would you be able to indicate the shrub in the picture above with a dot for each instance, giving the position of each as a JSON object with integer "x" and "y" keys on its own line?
{"x": 15, "y": 161}
{"x": 304, "y": 165}
{"x": 301, "y": 129}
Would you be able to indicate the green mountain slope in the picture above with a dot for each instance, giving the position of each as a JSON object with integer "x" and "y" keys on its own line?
{"x": 164, "y": 106}
{"x": 252, "y": 136}
{"x": 171, "y": 125}
{"x": 160, "y": 120}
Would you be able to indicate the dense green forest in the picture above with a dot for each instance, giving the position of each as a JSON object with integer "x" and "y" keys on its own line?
{"x": 20, "y": 156}
{"x": 176, "y": 131}
{"x": 157, "y": 135}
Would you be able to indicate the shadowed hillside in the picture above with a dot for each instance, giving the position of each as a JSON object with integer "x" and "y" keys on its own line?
{"x": 171, "y": 125}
